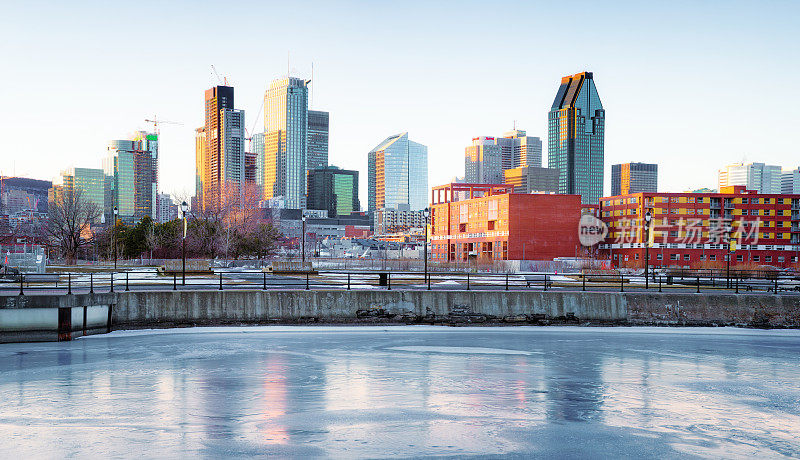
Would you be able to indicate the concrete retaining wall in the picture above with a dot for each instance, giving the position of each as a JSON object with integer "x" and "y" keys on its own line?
{"x": 172, "y": 308}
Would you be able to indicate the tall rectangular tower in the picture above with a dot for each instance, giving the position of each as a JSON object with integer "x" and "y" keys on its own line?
{"x": 628, "y": 178}
{"x": 131, "y": 169}
{"x": 222, "y": 154}
{"x": 576, "y": 133}
{"x": 483, "y": 162}
{"x": 520, "y": 150}
{"x": 286, "y": 143}
{"x": 318, "y": 134}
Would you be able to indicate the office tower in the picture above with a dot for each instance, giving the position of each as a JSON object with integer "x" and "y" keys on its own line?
{"x": 575, "y": 144}
{"x": 398, "y": 174}
{"x": 483, "y": 162}
{"x": 758, "y": 177}
{"x": 250, "y": 168}
{"x": 790, "y": 181}
{"x": 286, "y": 141}
{"x": 531, "y": 179}
{"x": 334, "y": 190}
{"x": 257, "y": 148}
{"x": 630, "y": 178}
{"x": 131, "y": 169}
{"x": 167, "y": 210}
{"x": 221, "y": 155}
{"x": 90, "y": 181}
{"x": 318, "y": 131}
{"x": 520, "y": 150}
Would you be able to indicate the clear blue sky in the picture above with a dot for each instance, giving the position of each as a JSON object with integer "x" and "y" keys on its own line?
{"x": 688, "y": 85}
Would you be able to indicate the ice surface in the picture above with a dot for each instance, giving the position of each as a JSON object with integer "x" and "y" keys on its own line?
{"x": 310, "y": 391}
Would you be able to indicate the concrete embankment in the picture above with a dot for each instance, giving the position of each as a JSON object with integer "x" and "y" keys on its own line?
{"x": 68, "y": 316}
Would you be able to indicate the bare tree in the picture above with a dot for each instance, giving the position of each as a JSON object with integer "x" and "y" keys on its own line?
{"x": 69, "y": 220}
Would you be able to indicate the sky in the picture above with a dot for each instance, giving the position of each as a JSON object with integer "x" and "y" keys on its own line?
{"x": 691, "y": 86}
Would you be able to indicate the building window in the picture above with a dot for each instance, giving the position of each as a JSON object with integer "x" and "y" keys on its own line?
{"x": 659, "y": 256}
{"x": 781, "y": 259}
{"x": 636, "y": 256}
{"x": 739, "y": 258}
{"x": 768, "y": 259}
{"x": 712, "y": 257}
{"x": 673, "y": 257}
{"x": 756, "y": 258}
{"x": 686, "y": 257}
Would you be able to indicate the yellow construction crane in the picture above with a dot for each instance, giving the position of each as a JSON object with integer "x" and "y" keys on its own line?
{"x": 155, "y": 121}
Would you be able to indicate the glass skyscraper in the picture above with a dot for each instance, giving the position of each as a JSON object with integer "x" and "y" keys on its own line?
{"x": 576, "y": 133}
{"x": 333, "y": 189}
{"x": 90, "y": 181}
{"x": 131, "y": 169}
{"x": 286, "y": 143}
{"x": 318, "y": 133}
{"x": 398, "y": 174}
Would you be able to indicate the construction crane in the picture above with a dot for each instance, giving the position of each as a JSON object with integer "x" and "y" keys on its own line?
{"x": 155, "y": 121}
{"x": 223, "y": 80}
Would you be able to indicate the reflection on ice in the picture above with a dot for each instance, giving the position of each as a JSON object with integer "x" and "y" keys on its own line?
{"x": 404, "y": 391}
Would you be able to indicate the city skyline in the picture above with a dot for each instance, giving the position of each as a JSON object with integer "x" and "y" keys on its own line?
{"x": 402, "y": 99}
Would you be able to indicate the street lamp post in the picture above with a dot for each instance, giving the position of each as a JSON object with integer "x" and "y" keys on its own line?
{"x": 426, "y": 213}
{"x": 184, "y": 210}
{"x": 114, "y": 236}
{"x": 729, "y": 230}
{"x": 303, "y": 238}
{"x": 647, "y": 218}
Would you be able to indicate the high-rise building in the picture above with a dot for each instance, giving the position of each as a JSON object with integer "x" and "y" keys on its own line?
{"x": 531, "y": 179}
{"x": 483, "y": 162}
{"x": 286, "y": 141}
{"x": 520, "y": 150}
{"x": 630, "y": 178}
{"x": 576, "y": 132}
{"x": 758, "y": 177}
{"x": 318, "y": 133}
{"x": 90, "y": 181}
{"x": 790, "y": 181}
{"x": 220, "y": 155}
{"x": 334, "y": 190}
{"x": 257, "y": 148}
{"x": 398, "y": 174}
{"x": 131, "y": 169}
{"x": 166, "y": 209}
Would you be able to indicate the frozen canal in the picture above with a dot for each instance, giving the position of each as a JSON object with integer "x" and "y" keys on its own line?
{"x": 404, "y": 391}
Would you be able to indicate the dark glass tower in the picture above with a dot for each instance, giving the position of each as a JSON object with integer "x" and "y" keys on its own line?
{"x": 576, "y": 132}
{"x": 333, "y": 189}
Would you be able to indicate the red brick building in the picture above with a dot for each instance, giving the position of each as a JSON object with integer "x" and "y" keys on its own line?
{"x": 693, "y": 230}
{"x": 489, "y": 222}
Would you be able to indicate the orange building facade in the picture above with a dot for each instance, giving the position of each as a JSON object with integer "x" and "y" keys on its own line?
{"x": 489, "y": 222}
{"x": 695, "y": 230}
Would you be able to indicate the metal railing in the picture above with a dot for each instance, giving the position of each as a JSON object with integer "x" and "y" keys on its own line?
{"x": 138, "y": 280}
